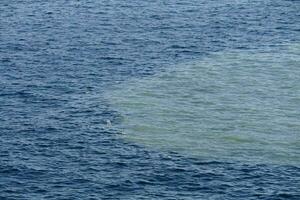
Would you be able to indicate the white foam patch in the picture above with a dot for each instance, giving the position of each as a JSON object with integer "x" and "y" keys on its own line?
{"x": 241, "y": 106}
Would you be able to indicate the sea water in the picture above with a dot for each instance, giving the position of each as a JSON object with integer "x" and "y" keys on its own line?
{"x": 182, "y": 99}
{"x": 231, "y": 105}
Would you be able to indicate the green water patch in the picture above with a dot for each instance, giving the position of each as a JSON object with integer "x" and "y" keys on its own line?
{"x": 237, "y": 106}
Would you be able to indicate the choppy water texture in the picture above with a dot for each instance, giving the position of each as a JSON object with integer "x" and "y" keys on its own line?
{"x": 206, "y": 91}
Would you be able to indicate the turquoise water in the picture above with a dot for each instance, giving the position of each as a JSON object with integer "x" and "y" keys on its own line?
{"x": 232, "y": 105}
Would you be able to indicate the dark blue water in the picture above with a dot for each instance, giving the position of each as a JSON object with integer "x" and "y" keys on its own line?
{"x": 57, "y": 59}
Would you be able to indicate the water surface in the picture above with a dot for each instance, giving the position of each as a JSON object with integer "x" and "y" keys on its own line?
{"x": 64, "y": 63}
{"x": 230, "y": 106}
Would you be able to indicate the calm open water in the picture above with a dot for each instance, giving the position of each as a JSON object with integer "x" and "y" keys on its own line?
{"x": 203, "y": 99}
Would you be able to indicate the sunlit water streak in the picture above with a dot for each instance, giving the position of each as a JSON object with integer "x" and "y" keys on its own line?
{"x": 237, "y": 105}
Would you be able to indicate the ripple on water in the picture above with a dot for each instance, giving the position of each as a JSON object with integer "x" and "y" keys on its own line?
{"x": 238, "y": 105}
